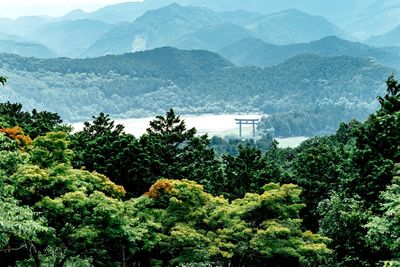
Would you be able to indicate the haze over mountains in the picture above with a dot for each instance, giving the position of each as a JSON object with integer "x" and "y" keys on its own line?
{"x": 201, "y": 24}
{"x": 255, "y": 52}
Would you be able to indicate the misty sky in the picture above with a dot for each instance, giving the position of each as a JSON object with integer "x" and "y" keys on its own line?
{"x": 17, "y": 8}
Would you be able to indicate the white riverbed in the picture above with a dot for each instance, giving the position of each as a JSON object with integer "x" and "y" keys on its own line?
{"x": 208, "y": 123}
{"x": 221, "y": 125}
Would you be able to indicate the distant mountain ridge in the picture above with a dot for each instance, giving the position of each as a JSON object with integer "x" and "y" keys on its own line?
{"x": 255, "y": 52}
{"x": 205, "y": 24}
{"x": 202, "y": 28}
{"x": 25, "y": 48}
{"x": 361, "y": 18}
{"x": 156, "y": 28}
{"x": 293, "y": 26}
{"x": 70, "y": 38}
{"x": 127, "y": 12}
{"x": 212, "y": 37}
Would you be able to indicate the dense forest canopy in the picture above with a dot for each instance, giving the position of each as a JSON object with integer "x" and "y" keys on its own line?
{"x": 102, "y": 197}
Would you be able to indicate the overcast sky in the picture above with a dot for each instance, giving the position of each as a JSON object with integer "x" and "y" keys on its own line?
{"x": 17, "y": 8}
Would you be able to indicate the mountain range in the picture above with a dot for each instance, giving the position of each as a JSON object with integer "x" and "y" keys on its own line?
{"x": 200, "y": 24}
{"x": 201, "y": 28}
{"x": 255, "y": 52}
{"x": 361, "y": 18}
{"x": 70, "y": 38}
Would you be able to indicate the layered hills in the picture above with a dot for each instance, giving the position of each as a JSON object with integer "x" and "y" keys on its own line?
{"x": 146, "y": 83}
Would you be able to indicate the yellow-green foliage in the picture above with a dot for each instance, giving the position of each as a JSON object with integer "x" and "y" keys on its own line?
{"x": 51, "y": 149}
{"x": 33, "y": 183}
{"x": 259, "y": 228}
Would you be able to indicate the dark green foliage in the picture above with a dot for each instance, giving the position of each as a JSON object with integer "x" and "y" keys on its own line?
{"x": 309, "y": 122}
{"x": 346, "y": 132}
{"x": 187, "y": 65}
{"x": 34, "y": 124}
{"x": 248, "y": 172}
{"x": 377, "y": 144}
{"x": 317, "y": 168}
{"x": 370, "y": 167}
{"x": 383, "y": 229}
{"x": 344, "y": 219}
{"x": 230, "y": 145}
{"x": 104, "y": 147}
{"x": 344, "y": 185}
{"x": 170, "y": 150}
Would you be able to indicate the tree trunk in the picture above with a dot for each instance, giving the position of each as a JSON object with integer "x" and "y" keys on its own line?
{"x": 35, "y": 256}
{"x": 123, "y": 257}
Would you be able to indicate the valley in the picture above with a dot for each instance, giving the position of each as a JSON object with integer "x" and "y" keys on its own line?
{"x": 119, "y": 145}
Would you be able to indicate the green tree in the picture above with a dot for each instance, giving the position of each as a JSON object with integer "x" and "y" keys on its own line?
{"x": 265, "y": 229}
{"x": 377, "y": 144}
{"x": 317, "y": 168}
{"x": 103, "y": 146}
{"x": 178, "y": 223}
{"x": 32, "y": 183}
{"x": 76, "y": 204}
{"x": 168, "y": 149}
{"x": 50, "y": 150}
{"x": 10, "y": 156}
{"x": 248, "y": 172}
{"x": 20, "y": 229}
{"x": 34, "y": 124}
{"x": 383, "y": 229}
{"x": 85, "y": 225}
{"x": 343, "y": 219}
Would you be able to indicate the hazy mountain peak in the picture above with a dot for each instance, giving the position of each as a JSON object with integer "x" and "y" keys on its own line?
{"x": 74, "y": 14}
{"x": 332, "y": 39}
{"x": 174, "y": 5}
{"x": 37, "y": 19}
{"x": 293, "y": 26}
{"x": 291, "y": 12}
{"x": 213, "y": 37}
{"x": 175, "y": 8}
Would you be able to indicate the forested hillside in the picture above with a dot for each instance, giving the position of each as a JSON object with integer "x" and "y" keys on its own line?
{"x": 99, "y": 197}
{"x": 148, "y": 83}
{"x": 255, "y": 52}
{"x": 79, "y": 189}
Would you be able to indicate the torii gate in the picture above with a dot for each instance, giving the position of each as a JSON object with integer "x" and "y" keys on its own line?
{"x": 253, "y": 122}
